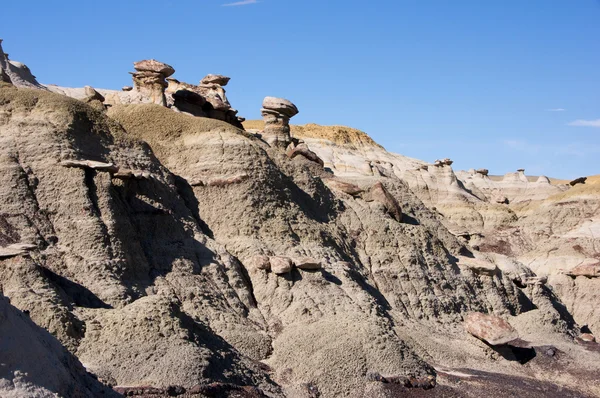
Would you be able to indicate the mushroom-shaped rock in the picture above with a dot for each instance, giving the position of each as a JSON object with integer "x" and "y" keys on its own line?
{"x": 152, "y": 65}
{"x": 490, "y": 328}
{"x": 280, "y": 105}
{"x": 483, "y": 172}
{"x": 276, "y": 113}
{"x": 478, "y": 266}
{"x": 280, "y": 265}
{"x": 380, "y": 194}
{"x": 302, "y": 149}
{"x": 126, "y": 88}
{"x": 342, "y": 186}
{"x": 259, "y": 262}
{"x": 520, "y": 170}
{"x": 580, "y": 180}
{"x": 307, "y": 263}
{"x": 215, "y": 79}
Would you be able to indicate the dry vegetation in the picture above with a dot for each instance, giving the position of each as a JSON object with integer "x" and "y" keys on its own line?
{"x": 340, "y": 135}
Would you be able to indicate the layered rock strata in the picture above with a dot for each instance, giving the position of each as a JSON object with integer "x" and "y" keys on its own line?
{"x": 276, "y": 114}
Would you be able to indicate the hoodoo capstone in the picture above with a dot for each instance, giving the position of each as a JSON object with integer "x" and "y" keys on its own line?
{"x": 149, "y": 80}
{"x": 276, "y": 114}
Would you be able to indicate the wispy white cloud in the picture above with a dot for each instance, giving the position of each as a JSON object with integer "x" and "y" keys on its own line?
{"x": 556, "y": 110}
{"x": 585, "y": 123}
{"x": 240, "y": 3}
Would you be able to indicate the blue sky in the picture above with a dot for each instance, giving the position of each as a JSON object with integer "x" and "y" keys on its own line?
{"x": 502, "y": 84}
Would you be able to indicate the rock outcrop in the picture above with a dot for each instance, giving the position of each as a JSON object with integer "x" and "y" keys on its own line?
{"x": 149, "y": 80}
{"x": 175, "y": 253}
{"x": 16, "y": 73}
{"x": 276, "y": 114}
{"x": 35, "y": 364}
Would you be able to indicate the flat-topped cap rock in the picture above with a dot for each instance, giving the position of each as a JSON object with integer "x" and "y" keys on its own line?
{"x": 280, "y": 105}
{"x": 152, "y": 65}
{"x": 215, "y": 79}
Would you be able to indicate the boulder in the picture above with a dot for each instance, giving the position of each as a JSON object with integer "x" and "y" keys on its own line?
{"x": 215, "y": 79}
{"x": 280, "y": 265}
{"x": 588, "y": 270}
{"x": 483, "y": 172}
{"x": 126, "y": 88}
{"x": 342, "y": 186}
{"x": 152, "y": 65}
{"x": 380, "y": 194}
{"x": 307, "y": 263}
{"x": 259, "y": 262}
{"x": 92, "y": 95}
{"x": 490, "y": 328}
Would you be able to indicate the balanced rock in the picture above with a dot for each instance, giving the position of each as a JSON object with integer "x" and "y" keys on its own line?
{"x": 152, "y": 65}
{"x": 280, "y": 265}
{"x": 215, "y": 79}
{"x": 276, "y": 114}
{"x": 149, "y": 80}
{"x": 490, "y": 328}
{"x": 483, "y": 172}
{"x": 281, "y": 105}
{"x": 380, "y": 194}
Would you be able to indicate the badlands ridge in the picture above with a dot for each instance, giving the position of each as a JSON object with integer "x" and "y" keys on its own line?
{"x": 153, "y": 243}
